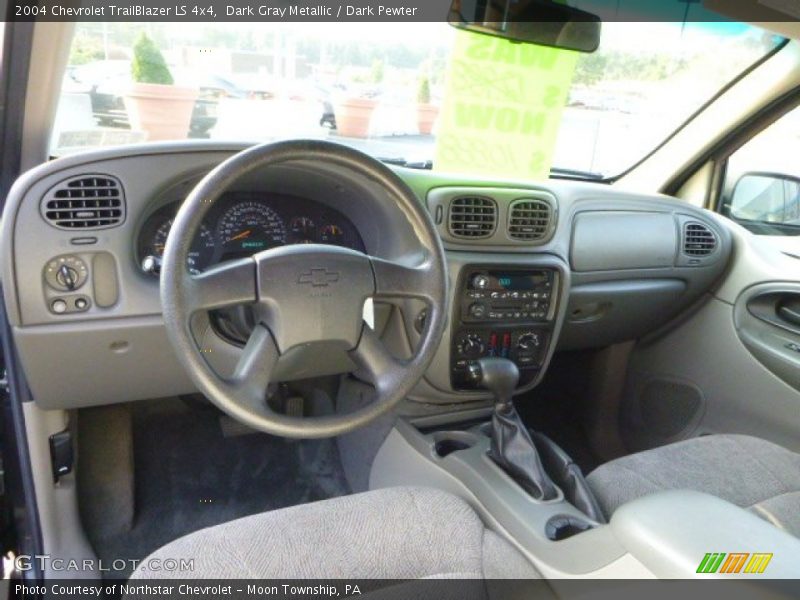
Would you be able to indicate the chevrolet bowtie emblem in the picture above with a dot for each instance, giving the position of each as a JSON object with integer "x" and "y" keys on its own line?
{"x": 319, "y": 277}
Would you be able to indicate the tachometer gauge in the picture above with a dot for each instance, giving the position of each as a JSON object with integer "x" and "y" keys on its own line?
{"x": 201, "y": 252}
{"x": 250, "y": 227}
{"x": 331, "y": 234}
{"x": 302, "y": 231}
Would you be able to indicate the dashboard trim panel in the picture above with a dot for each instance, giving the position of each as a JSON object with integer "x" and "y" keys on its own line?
{"x": 154, "y": 175}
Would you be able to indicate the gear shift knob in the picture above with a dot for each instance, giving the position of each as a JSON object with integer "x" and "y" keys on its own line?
{"x": 498, "y": 375}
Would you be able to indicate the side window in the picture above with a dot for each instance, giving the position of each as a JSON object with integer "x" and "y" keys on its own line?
{"x": 762, "y": 182}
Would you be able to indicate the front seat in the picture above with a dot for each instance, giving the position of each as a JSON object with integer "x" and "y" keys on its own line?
{"x": 394, "y": 533}
{"x": 747, "y": 471}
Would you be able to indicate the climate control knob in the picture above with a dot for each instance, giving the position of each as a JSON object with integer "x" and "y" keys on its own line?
{"x": 471, "y": 346}
{"x": 529, "y": 341}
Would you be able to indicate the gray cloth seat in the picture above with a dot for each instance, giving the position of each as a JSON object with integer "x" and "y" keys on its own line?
{"x": 747, "y": 471}
{"x": 396, "y": 533}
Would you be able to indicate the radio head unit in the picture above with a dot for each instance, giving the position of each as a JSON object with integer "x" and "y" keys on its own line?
{"x": 509, "y": 313}
{"x": 506, "y": 295}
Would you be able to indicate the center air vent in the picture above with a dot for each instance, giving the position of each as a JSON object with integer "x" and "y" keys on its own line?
{"x": 87, "y": 202}
{"x": 473, "y": 217}
{"x": 529, "y": 220}
{"x": 698, "y": 240}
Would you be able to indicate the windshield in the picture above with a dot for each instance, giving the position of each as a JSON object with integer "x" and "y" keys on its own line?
{"x": 411, "y": 93}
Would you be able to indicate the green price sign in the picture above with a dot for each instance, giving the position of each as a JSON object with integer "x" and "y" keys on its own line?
{"x": 502, "y": 107}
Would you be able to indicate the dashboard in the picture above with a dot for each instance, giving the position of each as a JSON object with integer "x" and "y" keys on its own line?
{"x": 535, "y": 267}
{"x": 241, "y": 224}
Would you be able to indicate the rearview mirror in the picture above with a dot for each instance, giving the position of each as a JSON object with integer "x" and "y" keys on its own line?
{"x": 542, "y": 22}
{"x": 766, "y": 198}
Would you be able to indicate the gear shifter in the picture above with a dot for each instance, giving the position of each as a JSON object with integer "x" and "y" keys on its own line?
{"x": 511, "y": 447}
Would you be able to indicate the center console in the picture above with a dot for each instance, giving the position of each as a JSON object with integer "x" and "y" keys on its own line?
{"x": 503, "y": 312}
{"x": 438, "y": 452}
{"x": 665, "y": 534}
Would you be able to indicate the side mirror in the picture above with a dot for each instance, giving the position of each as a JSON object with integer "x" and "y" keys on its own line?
{"x": 766, "y": 199}
{"x": 542, "y": 22}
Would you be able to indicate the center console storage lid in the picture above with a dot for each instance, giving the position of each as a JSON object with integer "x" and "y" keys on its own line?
{"x": 671, "y": 533}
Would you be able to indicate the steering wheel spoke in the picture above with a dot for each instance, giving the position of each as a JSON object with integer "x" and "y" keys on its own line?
{"x": 231, "y": 283}
{"x": 396, "y": 280}
{"x": 252, "y": 374}
{"x": 375, "y": 362}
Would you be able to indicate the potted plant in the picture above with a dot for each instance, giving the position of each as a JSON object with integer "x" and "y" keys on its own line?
{"x": 154, "y": 104}
{"x": 353, "y": 116}
{"x": 426, "y": 112}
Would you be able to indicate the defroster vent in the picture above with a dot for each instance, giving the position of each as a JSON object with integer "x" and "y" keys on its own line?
{"x": 698, "y": 240}
{"x": 85, "y": 202}
{"x": 529, "y": 220}
{"x": 473, "y": 217}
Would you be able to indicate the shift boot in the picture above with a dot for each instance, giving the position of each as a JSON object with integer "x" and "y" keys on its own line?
{"x": 511, "y": 445}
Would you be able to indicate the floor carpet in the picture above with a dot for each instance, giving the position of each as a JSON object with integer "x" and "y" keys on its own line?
{"x": 554, "y": 408}
{"x": 194, "y": 470}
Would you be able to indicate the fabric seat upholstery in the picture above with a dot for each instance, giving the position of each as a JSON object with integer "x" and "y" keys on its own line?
{"x": 747, "y": 471}
{"x": 396, "y": 533}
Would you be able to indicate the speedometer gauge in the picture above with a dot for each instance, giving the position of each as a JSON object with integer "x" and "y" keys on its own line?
{"x": 250, "y": 227}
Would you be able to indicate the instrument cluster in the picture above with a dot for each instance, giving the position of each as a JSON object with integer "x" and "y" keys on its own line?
{"x": 244, "y": 223}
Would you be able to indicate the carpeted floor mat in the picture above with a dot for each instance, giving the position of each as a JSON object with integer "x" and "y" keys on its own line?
{"x": 191, "y": 473}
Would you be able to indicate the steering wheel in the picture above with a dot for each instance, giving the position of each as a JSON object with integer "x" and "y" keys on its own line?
{"x": 303, "y": 296}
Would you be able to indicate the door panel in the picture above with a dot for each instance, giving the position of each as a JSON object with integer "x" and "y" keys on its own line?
{"x": 767, "y": 318}
{"x": 731, "y": 366}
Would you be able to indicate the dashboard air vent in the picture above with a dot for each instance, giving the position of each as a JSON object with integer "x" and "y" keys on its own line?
{"x": 529, "y": 220}
{"x": 473, "y": 217}
{"x": 86, "y": 202}
{"x": 698, "y": 240}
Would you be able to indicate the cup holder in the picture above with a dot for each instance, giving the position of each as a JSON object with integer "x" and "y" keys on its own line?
{"x": 446, "y": 443}
{"x": 562, "y": 527}
{"x": 445, "y": 447}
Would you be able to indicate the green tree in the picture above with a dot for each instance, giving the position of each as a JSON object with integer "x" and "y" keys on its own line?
{"x": 590, "y": 69}
{"x": 376, "y": 73}
{"x": 85, "y": 50}
{"x": 424, "y": 90}
{"x": 148, "y": 65}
